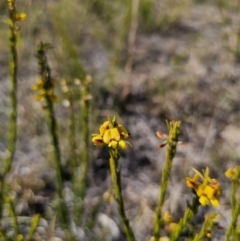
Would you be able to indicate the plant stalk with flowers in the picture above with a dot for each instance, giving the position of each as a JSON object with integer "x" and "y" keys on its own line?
{"x": 233, "y": 174}
{"x": 206, "y": 191}
{"x": 206, "y": 226}
{"x": 45, "y": 92}
{"x": 13, "y": 17}
{"x": 171, "y": 141}
{"x": 114, "y": 136}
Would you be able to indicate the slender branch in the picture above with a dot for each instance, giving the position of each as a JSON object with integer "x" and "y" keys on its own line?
{"x": 174, "y": 128}
{"x": 13, "y": 68}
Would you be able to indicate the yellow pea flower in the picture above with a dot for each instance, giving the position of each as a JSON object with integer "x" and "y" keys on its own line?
{"x": 21, "y": 16}
{"x": 112, "y": 134}
{"x": 97, "y": 140}
{"x": 207, "y": 189}
{"x": 192, "y": 182}
{"x": 105, "y": 126}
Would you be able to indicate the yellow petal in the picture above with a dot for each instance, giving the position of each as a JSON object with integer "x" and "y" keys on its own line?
{"x": 214, "y": 202}
{"x": 123, "y": 144}
{"x": 115, "y": 135}
{"x": 204, "y": 200}
{"x": 111, "y": 135}
{"x": 107, "y": 136}
{"x": 97, "y": 140}
{"x": 123, "y": 131}
{"x": 200, "y": 190}
{"x": 190, "y": 183}
{"x": 104, "y": 127}
{"x": 209, "y": 192}
{"x": 113, "y": 144}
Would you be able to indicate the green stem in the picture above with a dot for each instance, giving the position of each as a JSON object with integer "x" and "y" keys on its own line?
{"x": 57, "y": 157}
{"x": 57, "y": 154}
{"x": 46, "y": 77}
{"x": 116, "y": 179}
{"x": 174, "y": 128}
{"x": 13, "y": 68}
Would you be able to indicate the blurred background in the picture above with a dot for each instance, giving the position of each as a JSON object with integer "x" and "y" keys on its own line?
{"x": 150, "y": 61}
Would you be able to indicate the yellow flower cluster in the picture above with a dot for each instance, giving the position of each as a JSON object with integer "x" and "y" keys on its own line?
{"x": 233, "y": 173}
{"x": 206, "y": 188}
{"x": 111, "y": 134}
{"x": 44, "y": 89}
